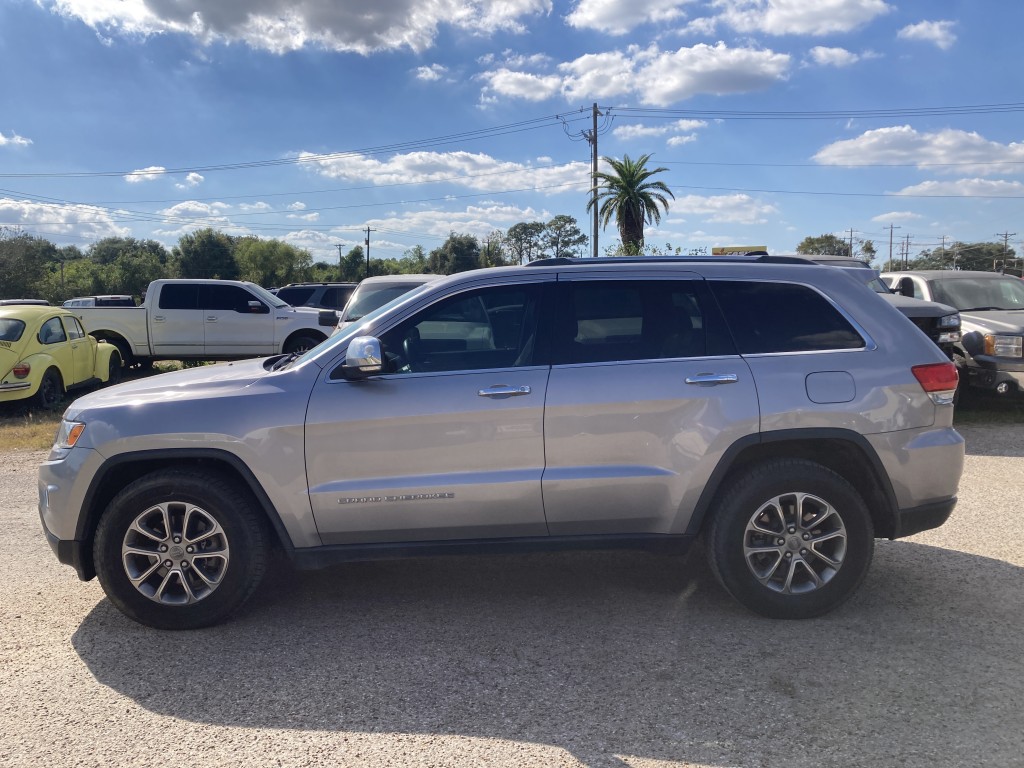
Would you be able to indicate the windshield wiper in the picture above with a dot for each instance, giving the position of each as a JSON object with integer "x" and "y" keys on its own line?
{"x": 283, "y": 361}
{"x": 983, "y": 309}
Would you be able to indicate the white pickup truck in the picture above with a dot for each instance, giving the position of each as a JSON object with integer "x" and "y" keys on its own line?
{"x": 206, "y": 320}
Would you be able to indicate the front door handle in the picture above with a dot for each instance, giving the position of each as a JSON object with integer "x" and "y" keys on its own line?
{"x": 500, "y": 390}
{"x": 712, "y": 379}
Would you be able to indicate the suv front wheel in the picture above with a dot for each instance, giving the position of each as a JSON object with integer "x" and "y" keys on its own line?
{"x": 790, "y": 539}
{"x": 180, "y": 550}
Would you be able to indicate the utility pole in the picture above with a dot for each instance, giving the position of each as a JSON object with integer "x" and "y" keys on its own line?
{"x": 943, "y": 255}
{"x": 340, "y": 272}
{"x": 906, "y": 252}
{"x": 368, "y": 231}
{"x": 850, "y": 230}
{"x": 591, "y": 136}
{"x": 1006, "y": 246}
{"x": 891, "y": 228}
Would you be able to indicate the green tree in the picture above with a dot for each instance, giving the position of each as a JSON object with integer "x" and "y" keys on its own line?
{"x": 206, "y": 253}
{"x": 562, "y": 237}
{"x": 984, "y": 257}
{"x": 353, "y": 265}
{"x": 867, "y": 251}
{"x": 24, "y": 264}
{"x": 271, "y": 262}
{"x": 415, "y": 261}
{"x": 523, "y": 241}
{"x": 824, "y": 245}
{"x": 629, "y": 196}
{"x": 459, "y": 253}
{"x": 495, "y": 253}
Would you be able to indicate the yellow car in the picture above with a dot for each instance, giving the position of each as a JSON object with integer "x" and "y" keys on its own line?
{"x": 45, "y": 351}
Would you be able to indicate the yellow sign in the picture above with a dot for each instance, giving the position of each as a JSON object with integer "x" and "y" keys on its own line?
{"x": 726, "y": 250}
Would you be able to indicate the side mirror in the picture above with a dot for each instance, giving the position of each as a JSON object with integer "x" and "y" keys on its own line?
{"x": 363, "y": 358}
{"x": 906, "y": 287}
{"x": 328, "y": 318}
{"x": 257, "y": 308}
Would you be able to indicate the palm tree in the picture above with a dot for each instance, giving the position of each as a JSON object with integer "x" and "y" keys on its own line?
{"x": 629, "y": 196}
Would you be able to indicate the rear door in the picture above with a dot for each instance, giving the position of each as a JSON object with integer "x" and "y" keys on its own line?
{"x": 646, "y": 393}
{"x": 448, "y": 443}
{"x": 176, "y": 323}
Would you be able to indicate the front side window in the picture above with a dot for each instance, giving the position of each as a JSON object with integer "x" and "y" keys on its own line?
{"x": 477, "y": 330}
{"x": 229, "y": 298}
{"x": 770, "y": 317}
{"x": 179, "y": 296}
{"x": 622, "y": 320}
{"x": 74, "y": 328}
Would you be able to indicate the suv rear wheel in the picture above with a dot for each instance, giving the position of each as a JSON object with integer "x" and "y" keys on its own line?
{"x": 791, "y": 539}
{"x": 178, "y": 550}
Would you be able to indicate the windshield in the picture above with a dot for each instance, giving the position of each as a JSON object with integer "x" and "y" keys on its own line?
{"x": 370, "y": 297}
{"x": 267, "y": 296}
{"x": 978, "y": 293}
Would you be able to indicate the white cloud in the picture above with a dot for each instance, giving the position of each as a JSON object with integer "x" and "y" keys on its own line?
{"x": 474, "y": 171}
{"x": 297, "y": 206}
{"x": 280, "y": 26}
{"x": 257, "y": 207}
{"x": 650, "y": 75}
{"x": 84, "y": 221}
{"x": 800, "y": 17}
{"x": 725, "y": 209}
{"x": 617, "y": 17}
{"x": 145, "y": 174}
{"x": 192, "y": 180}
{"x": 190, "y": 215}
{"x": 479, "y": 220}
{"x": 833, "y": 57}
{"x": 938, "y": 32}
{"x": 15, "y": 140}
{"x": 678, "y": 141}
{"x": 431, "y": 73}
{"x": 310, "y": 217}
{"x": 966, "y": 188}
{"x": 885, "y": 218}
{"x": 962, "y": 151}
{"x": 679, "y": 131}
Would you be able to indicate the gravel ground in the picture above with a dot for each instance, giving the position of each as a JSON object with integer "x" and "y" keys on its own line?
{"x": 593, "y": 659}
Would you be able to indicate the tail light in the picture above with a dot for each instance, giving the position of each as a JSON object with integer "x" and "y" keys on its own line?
{"x": 21, "y": 370}
{"x": 939, "y": 380}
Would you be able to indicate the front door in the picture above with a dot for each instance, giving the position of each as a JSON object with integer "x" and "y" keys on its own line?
{"x": 236, "y": 323}
{"x": 448, "y": 443}
{"x": 83, "y": 350}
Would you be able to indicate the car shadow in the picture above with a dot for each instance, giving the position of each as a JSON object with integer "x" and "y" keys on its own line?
{"x": 606, "y": 655}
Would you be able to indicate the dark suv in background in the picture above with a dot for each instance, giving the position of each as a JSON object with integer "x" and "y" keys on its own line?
{"x": 323, "y": 295}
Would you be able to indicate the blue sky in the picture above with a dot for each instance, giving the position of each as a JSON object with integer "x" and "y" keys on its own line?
{"x": 311, "y": 120}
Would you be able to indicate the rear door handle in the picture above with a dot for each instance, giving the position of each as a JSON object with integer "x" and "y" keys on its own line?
{"x": 500, "y": 390}
{"x": 712, "y": 379}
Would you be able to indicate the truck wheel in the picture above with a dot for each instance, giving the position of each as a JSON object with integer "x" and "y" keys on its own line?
{"x": 301, "y": 344}
{"x": 791, "y": 539}
{"x": 50, "y": 392}
{"x": 179, "y": 549}
{"x": 122, "y": 347}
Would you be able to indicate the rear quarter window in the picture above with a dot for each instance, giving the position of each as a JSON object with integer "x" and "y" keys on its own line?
{"x": 769, "y": 317}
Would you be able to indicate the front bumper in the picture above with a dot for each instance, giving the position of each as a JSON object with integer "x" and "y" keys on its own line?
{"x": 72, "y": 553}
{"x": 989, "y": 373}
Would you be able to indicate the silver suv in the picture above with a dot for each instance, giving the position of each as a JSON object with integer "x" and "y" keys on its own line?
{"x": 783, "y": 412}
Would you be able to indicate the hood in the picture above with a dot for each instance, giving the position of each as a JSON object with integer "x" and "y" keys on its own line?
{"x": 994, "y": 321}
{"x": 190, "y": 384}
{"x": 918, "y": 307}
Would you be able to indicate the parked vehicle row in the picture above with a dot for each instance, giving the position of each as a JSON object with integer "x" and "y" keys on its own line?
{"x": 990, "y": 352}
{"x": 781, "y": 411}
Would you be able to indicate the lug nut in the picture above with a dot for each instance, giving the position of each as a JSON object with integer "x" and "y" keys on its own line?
{"x": 190, "y": 549}
{"x": 807, "y": 536}
{"x": 163, "y": 547}
{"x": 177, "y": 539}
{"x": 792, "y": 529}
{"x": 168, "y": 563}
{"x": 803, "y": 551}
{"x": 789, "y": 555}
{"x": 780, "y": 542}
{"x": 184, "y": 563}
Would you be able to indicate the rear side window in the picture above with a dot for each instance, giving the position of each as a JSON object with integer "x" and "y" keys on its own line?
{"x": 296, "y": 296}
{"x": 623, "y": 320}
{"x": 179, "y": 296}
{"x": 11, "y": 329}
{"x": 335, "y": 297}
{"x": 783, "y": 317}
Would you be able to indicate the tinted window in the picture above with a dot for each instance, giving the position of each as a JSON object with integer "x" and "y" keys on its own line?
{"x": 603, "y": 321}
{"x": 179, "y": 296}
{"x": 225, "y": 297}
{"x": 296, "y": 296}
{"x": 11, "y": 329}
{"x": 782, "y": 317}
{"x": 488, "y": 328}
{"x": 335, "y": 297}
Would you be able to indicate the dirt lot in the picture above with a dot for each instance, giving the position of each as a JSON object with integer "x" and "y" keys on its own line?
{"x": 596, "y": 659}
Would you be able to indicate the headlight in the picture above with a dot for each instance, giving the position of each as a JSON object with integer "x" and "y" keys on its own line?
{"x": 1003, "y": 346}
{"x": 950, "y": 321}
{"x": 69, "y": 433}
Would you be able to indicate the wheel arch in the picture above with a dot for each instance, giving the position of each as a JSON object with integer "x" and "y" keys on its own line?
{"x": 118, "y": 471}
{"x": 118, "y": 341}
{"x": 846, "y": 453}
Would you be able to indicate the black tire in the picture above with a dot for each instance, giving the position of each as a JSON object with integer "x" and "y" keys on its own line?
{"x": 114, "y": 368}
{"x": 205, "y": 582}
{"x": 790, "y": 519}
{"x": 50, "y": 392}
{"x": 300, "y": 344}
{"x": 122, "y": 348}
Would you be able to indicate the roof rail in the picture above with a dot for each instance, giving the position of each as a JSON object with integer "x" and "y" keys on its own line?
{"x": 760, "y": 257}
